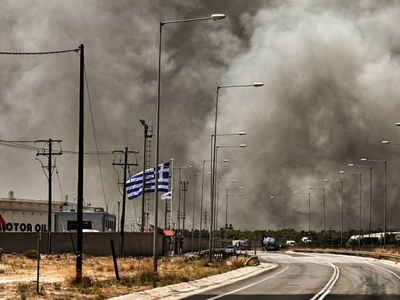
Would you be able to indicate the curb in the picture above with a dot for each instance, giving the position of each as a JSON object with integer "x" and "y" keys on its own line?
{"x": 185, "y": 289}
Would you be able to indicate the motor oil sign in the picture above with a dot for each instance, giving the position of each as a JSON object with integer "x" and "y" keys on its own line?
{"x": 21, "y": 227}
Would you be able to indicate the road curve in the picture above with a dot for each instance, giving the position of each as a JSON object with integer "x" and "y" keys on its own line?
{"x": 314, "y": 277}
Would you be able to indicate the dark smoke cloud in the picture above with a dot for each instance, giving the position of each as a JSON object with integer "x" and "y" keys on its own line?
{"x": 331, "y": 74}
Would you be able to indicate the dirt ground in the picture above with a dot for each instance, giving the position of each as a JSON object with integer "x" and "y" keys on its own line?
{"x": 57, "y": 275}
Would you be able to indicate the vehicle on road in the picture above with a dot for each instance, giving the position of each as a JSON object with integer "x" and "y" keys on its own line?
{"x": 230, "y": 249}
{"x": 269, "y": 243}
{"x": 290, "y": 243}
{"x": 305, "y": 240}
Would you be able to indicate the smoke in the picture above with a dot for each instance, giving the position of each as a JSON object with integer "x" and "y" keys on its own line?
{"x": 331, "y": 74}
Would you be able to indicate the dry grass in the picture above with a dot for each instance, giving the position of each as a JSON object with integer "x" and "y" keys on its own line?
{"x": 390, "y": 251}
{"x": 58, "y": 275}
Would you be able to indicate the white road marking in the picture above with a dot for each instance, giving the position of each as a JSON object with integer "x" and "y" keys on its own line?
{"x": 328, "y": 287}
{"x": 247, "y": 286}
{"x": 393, "y": 273}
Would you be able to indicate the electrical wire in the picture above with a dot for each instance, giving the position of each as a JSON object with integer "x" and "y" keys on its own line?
{"x": 40, "y": 53}
{"x": 59, "y": 183}
{"x": 95, "y": 137}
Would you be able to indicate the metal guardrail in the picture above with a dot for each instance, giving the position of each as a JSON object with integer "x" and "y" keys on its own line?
{"x": 350, "y": 252}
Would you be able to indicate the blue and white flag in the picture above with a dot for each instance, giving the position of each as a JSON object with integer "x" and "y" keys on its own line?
{"x": 167, "y": 196}
{"x": 134, "y": 184}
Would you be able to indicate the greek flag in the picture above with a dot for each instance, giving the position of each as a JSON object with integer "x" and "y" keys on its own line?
{"x": 167, "y": 196}
{"x": 134, "y": 184}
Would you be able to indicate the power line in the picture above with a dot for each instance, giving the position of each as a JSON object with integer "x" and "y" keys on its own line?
{"x": 39, "y": 53}
{"x": 95, "y": 138}
{"x": 59, "y": 181}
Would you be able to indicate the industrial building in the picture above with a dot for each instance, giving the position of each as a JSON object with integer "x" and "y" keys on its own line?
{"x": 31, "y": 215}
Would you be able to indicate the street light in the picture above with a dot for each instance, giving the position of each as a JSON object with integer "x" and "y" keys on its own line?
{"x": 215, "y": 220}
{"x": 217, "y": 206}
{"x": 390, "y": 143}
{"x": 202, "y": 197}
{"x": 323, "y": 197}
{"x": 341, "y": 185}
{"x": 370, "y": 194}
{"x": 194, "y": 201}
{"x": 226, "y": 202}
{"x": 214, "y": 17}
{"x": 284, "y": 226}
{"x": 384, "y": 191}
{"x": 350, "y": 173}
{"x": 309, "y": 209}
{"x": 214, "y": 201}
{"x": 179, "y": 189}
{"x": 213, "y": 152}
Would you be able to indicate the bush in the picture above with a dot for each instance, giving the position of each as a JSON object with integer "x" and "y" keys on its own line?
{"x": 32, "y": 254}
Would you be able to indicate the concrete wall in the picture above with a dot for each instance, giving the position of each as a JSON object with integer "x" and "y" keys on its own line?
{"x": 135, "y": 243}
{"x": 96, "y": 243}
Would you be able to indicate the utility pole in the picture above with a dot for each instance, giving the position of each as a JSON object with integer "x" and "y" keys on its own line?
{"x": 49, "y": 168}
{"x": 185, "y": 188}
{"x": 146, "y": 136}
{"x": 79, "y": 234}
{"x": 125, "y": 166}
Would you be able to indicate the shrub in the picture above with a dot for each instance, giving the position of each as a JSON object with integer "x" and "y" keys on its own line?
{"x": 32, "y": 254}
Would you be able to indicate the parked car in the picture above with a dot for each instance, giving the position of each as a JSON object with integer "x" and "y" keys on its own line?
{"x": 290, "y": 243}
{"x": 230, "y": 249}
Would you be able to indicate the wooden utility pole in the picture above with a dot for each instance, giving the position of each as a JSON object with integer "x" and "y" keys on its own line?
{"x": 79, "y": 235}
{"x": 125, "y": 166}
{"x": 49, "y": 168}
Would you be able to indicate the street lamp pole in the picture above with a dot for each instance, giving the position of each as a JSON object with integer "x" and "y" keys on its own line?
{"x": 370, "y": 194}
{"x": 343, "y": 172}
{"x": 384, "y": 195}
{"x": 194, "y": 206}
{"x": 213, "y": 155}
{"x": 341, "y": 185}
{"x": 214, "y": 17}
{"x": 284, "y": 225}
{"x": 215, "y": 215}
{"x": 309, "y": 210}
{"x": 323, "y": 198}
{"x": 226, "y": 208}
{"x": 216, "y": 202}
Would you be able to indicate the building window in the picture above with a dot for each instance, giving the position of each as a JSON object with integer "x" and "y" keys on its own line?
{"x": 73, "y": 225}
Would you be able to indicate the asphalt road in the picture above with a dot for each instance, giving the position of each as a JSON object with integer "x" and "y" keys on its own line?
{"x": 315, "y": 277}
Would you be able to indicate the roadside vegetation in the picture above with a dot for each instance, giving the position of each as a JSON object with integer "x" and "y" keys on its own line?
{"x": 57, "y": 280}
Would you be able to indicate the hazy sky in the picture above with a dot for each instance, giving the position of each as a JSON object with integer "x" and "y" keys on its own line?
{"x": 331, "y": 73}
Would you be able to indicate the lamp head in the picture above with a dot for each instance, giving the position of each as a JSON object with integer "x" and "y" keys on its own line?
{"x": 385, "y": 142}
{"x": 258, "y": 84}
{"x": 143, "y": 122}
{"x": 217, "y": 17}
{"x": 189, "y": 166}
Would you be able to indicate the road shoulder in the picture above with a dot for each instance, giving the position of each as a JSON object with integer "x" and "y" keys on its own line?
{"x": 186, "y": 289}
